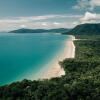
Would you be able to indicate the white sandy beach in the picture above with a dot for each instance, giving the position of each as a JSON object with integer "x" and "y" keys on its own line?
{"x": 53, "y": 69}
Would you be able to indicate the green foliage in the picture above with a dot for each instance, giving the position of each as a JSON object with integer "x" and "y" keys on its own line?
{"x": 85, "y": 29}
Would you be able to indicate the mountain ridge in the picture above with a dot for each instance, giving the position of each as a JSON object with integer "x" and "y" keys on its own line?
{"x": 26, "y": 30}
{"x": 84, "y": 29}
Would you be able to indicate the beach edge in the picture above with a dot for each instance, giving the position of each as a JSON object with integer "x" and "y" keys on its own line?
{"x": 56, "y": 70}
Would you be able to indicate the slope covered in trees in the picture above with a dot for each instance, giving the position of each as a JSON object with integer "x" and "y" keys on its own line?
{"x": 81, "y": 82}
{"x": 85, "y": 29}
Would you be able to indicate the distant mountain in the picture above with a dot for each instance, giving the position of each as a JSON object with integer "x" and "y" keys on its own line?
{"x": 23, "y": 30}
{"x": 59, "y": 30}
{"x": 85, "y": 29}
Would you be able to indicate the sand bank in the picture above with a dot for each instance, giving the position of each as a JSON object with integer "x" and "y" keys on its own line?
{"x": 53, "y": 69}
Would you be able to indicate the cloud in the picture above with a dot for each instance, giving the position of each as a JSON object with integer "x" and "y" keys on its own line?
{"x": 49, "y": 25}
{"x": 87, "y": 4}
{"x": 95, "y": 2}
{"x": 35, "y": 25}
{"x": 44, "y": 24}
{"x": 91, "y": 17}
{"x": 36, "y": 18}
{"x": 88, "y": 18}
{"x": 82, "y": 4}
{"x": 29, "y": 19}
{"x": 56, "y": 23}
{"x": 45, "y": 21}
{"x": 23, "y": 26}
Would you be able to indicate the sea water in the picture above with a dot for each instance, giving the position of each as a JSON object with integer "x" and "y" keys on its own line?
{"x": 24, "y": 54}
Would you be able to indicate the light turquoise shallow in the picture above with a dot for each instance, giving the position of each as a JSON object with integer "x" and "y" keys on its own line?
{"x": 24, "y": 54}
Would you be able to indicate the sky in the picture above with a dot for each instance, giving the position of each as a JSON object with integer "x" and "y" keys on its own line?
{"x": 47, "y": 14}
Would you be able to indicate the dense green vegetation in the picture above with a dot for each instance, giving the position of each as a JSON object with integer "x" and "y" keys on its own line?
{"x": 81, "y": 82}
{"x": 24, "y": 30}
{"x": 85, "y": 29}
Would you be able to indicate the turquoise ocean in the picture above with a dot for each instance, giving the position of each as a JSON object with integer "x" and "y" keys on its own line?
{"x": 24, "y": 54}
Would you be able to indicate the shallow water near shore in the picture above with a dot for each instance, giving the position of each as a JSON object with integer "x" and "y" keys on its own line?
{"x": 24, "y": 54}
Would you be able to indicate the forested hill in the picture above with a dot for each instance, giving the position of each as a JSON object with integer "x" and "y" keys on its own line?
{"x": 23, "y": 30}
{"x": 85, "y": 29}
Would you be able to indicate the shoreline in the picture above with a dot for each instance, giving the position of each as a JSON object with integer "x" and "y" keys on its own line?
{"x": 49, "y": 72}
